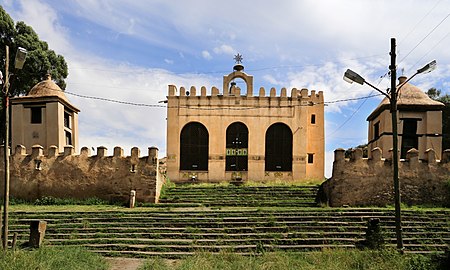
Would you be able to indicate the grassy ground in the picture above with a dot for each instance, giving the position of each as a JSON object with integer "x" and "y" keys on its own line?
{"x": 325, "y": 260}
{"x": 52, "y": 258}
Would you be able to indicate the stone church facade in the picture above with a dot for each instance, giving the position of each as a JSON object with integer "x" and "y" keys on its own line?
{"x": 233, "y": 135}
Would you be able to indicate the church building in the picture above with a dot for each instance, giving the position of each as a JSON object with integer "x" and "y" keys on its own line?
{"x": 234, "y": 135}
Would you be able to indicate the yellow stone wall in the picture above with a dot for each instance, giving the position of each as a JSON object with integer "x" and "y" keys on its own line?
{"x": 220, "y": 109}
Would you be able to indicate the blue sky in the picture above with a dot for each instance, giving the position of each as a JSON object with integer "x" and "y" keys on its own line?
{"x": 132, "y": 50}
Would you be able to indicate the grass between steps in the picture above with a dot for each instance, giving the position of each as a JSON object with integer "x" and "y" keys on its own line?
{"x": 324, "y": 260}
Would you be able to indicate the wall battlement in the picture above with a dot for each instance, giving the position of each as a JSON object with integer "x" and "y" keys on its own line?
{"x": 66, "y": 175}
{"x": 85, "y": 152}
{"x": 359, "y": 181}
{"x": 411, "y": 161}
{"x": 235, "y": 92}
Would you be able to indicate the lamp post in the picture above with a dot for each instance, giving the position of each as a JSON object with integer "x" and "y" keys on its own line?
{"x": 19, "y": 61}
{"x": 351, "y": 76}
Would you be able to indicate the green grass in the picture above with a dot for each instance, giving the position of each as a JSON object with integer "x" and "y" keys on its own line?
{"x": 325, "y": 260}
{"x": 52, "y": 258}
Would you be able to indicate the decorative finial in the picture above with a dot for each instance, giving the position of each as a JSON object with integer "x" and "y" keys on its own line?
{"x": 238, "y": 58}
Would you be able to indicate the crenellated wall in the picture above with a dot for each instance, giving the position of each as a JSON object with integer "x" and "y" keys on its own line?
{"x": 219, "y": 109}
{"x": 361, "y": 181}
{"x": 66, "y": 175}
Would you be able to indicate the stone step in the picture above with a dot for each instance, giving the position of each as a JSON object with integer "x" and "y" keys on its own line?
{"x": 214, "y": 248}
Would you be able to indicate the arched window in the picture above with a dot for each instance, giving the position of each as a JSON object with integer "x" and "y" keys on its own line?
{"x": 194, "y": 140}
{"x": 278, "y": 155}
{"x": 237, "y": 147}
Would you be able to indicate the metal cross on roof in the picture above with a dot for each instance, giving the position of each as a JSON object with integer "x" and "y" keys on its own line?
{"x": 238, "y": 58}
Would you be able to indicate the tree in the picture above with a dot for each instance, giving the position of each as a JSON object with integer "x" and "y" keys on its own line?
{"x": 435, "y": 94}
{"x": 40, "y": 59}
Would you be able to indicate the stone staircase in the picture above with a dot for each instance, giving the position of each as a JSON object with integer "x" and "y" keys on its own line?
{"x": 241, "y": 196}
{"x": 244, "y": 225}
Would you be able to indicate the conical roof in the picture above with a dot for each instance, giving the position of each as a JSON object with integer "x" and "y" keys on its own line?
{"x": 47, "y": 88}
{"x": 409, "y": 96}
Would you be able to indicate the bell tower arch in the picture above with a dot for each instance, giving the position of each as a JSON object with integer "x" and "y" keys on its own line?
{"x": 238, "y": 72}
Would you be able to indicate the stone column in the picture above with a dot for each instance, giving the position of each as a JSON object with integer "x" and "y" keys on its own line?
{"x": 37, "y": 233}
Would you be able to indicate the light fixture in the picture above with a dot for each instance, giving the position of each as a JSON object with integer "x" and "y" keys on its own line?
{"x": 21, "y": 54}
{"x": 428, "y": 67}
{"x": 350, "y": 76}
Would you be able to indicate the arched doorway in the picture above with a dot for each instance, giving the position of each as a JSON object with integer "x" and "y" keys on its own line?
{"x": 278, "y": 153}
{"x": 237, "y": 147}
{"x": 194, "y": 143}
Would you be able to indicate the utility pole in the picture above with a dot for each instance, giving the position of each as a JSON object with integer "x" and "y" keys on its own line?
{"x": 6, "y": 154}
{"x": 393, "y": 101}
{"x": 350, "y": 76}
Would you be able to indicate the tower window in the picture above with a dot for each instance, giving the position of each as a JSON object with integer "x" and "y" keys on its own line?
{"x": 36, "y": 115}
{"x": 313, "y": 118}
{"x": 67, "y": 122}
{"x": 310, "y": 158}
{"x": 410, "y": 139}
{"x": 376, "y": 130}
{"x": 68, "y": 138}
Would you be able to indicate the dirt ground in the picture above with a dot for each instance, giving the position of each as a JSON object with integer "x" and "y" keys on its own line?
{"x": 125, "y": 263}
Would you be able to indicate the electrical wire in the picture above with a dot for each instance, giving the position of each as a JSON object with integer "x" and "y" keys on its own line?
{"x": 426, "y": 36}
{"x": 226, "y": 71}
{"x": 211, "y": 108}
{"x": 419, "y": 22}
{"x": 432, "y": 48}
{"x": 357, "y": 110}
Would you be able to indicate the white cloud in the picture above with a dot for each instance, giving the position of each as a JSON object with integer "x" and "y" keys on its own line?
{"x": 49, "y": 28}
{"x": 271, "y": 79}
{"x": 206, "y": 55}
{"x": 224, "y": 49}
{"x": 319, "y": 39}
{"x": 105, "y": 123}
{"x": 329, "y": 158}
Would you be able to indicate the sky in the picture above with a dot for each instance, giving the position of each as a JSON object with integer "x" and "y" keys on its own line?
{"x": 131, "y": 51}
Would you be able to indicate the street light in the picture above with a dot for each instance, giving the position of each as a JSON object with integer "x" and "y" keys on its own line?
{"x": 21, "y": 54}
{"x": 351, "y": 76}
{"x": 19, "y": 61}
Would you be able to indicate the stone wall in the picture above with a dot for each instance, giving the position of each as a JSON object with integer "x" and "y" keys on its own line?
{"x": 220, "y": 109}
{"x": 360, "y": 181}
{"x": 66, "y": 175}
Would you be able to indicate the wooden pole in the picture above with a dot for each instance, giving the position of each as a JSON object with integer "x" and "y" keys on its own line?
{"x": 393, "y": 101}
{"x": 6, "y": 155}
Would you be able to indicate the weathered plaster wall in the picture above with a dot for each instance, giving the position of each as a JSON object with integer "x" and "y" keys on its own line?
{"x": 365, "y": 182}
{"x": 82, "y": 176}
{"x": 218, "y": 111}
